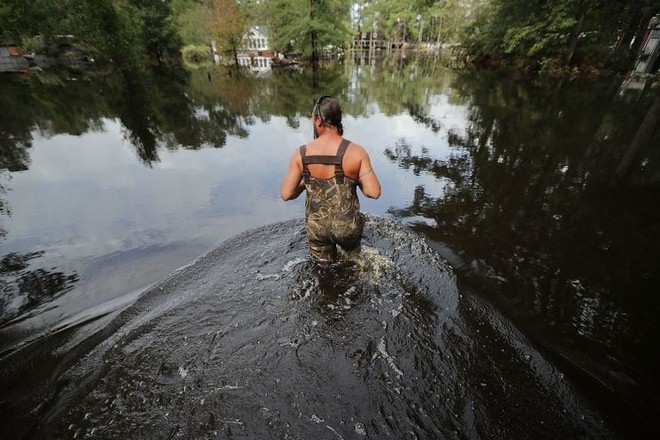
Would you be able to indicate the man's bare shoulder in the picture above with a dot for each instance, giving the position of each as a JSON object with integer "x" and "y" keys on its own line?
{"x": 296, "y": 157}
{"x": 357, "y": 150}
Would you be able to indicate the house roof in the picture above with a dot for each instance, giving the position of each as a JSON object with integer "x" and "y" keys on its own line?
{"x": 260, "y": 31}
{"x": 11, "y": 60}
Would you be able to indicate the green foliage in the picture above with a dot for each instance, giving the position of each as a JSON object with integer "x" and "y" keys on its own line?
{"x": 525, "y": 29}
{"x": 118, "y": 30}
{"x": 393, "y": 18}
{"x": 447, "y": 19}
{"x": 192, "y": 19}
{"x": 196, "y": 55}
{"x": 600, "y": 32}
{"x": 255, "y": 11}
{"x": 158, "y": 34}
{"x": 33, "y": 44}
{"x": 113, "y": 28}
{"x": 229, "y": 26}
{"x": 21, "y": 19}
{"x": 297, "y": 25}
{"x": 416, "y": 20}
{"x": 590, "y": 30}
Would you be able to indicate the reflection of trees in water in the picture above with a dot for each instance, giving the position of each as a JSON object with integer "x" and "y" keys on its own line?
{"x": 397, "y": 86}
{"x": 15, "y": 131}
{"x": 23, "y": 289}
{"x": 155, "y": 107}
{"x": 5, "y": 210}
{"x": 419, "y": 116}
{"x": 139, "y": 119}
{"x": 171, "y": 108}
{"x": 292, "y": 94}
{"x": 159, "y": 111}
{"x": 531, "y": 204}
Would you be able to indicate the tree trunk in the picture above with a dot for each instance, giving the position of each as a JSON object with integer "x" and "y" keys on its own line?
{"x": 371, "y": 46}
{"x": 642, "y": 137}
{"x": 552, "y": 102}
{"x": 576, "y": 35}
{"x": 315, "y": 55}
{"x": 639, "y": 34}
{"x": 421, "y": 29}
{"x": 439, "y": 32}
{"x": 628, "y": 32}
{"x": 396, "y": 36}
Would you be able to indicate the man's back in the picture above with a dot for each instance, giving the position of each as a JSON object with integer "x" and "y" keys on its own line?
{"x": 355, "y": 164}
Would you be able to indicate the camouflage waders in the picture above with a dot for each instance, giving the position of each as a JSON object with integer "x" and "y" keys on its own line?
{"x": 332, "y": 207}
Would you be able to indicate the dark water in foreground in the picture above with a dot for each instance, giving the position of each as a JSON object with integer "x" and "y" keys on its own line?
{"x": 255, "y": 341}
{"x": 508, "y": 287}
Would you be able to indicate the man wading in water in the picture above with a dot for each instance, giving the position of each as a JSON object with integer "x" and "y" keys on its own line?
{"x": 330, "y": 168}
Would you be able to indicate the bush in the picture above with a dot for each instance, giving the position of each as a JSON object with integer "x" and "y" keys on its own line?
{"x": 196, "y": 55}
{"x": 33, "y": 44}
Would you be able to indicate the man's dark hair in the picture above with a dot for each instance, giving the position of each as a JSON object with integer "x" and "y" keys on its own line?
{"x": 329, "y": 110}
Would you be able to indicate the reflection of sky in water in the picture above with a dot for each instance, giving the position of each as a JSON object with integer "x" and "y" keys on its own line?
{"x": 96, "y": 209}
{"x": 379, "y": 132}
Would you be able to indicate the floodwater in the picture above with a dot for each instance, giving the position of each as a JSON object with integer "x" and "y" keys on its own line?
{"x": 154, "y": 285}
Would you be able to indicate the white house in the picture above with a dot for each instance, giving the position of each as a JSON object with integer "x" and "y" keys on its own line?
{"x": 256, "y": 52}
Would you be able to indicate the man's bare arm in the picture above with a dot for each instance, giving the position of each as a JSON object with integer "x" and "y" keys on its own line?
{"x": 368, "y": 181}
{"x": 292, "y": 184}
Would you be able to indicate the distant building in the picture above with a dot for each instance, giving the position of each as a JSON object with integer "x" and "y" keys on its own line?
{"x": 256, "y": 52}
{"x": 12, "y": 60}
{"x": 650, "y": 48}
{"x": 368, "y": 40}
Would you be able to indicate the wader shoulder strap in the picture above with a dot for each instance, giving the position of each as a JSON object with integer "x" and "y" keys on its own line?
{"x": 335, "y": 160}
{"x": 304, "y": 163}
{"x": 339, "y": 171}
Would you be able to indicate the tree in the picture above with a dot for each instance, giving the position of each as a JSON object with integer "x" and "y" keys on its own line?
{"x": 567, "y": 31}
{"x": 113, "y": 29}
{"x": 417, "y": 20}
{"x": 193, "y": 20}
{"x": 158, "y": 34}
{"x": 309, "y": 26}
{"x": 448, "y": 18}
{"x": 393, "y": 18}
{"x": 229, "y": 27}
